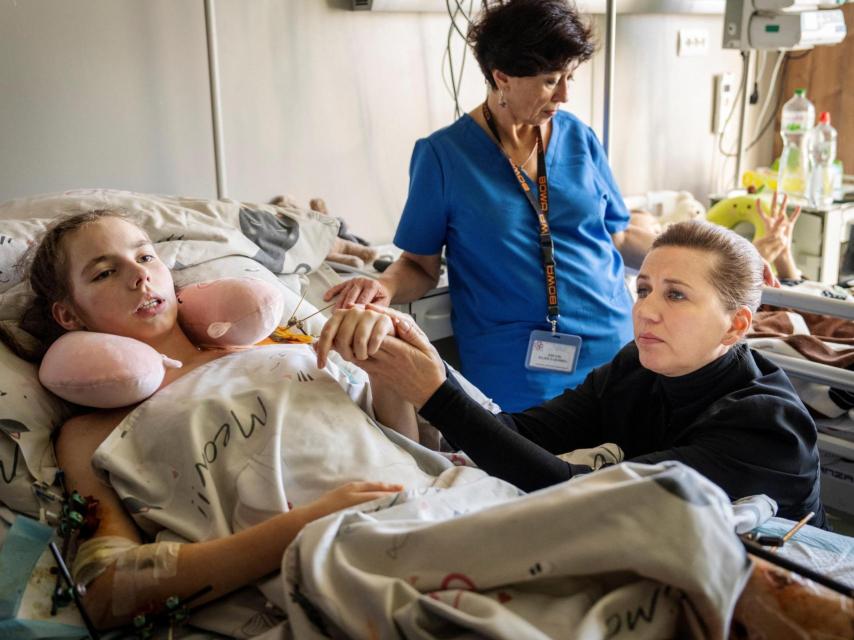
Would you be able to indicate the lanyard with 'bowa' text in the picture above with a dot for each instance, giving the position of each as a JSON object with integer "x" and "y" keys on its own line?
{"x": 551, "y": 351}
{"x": 541, "y": 210}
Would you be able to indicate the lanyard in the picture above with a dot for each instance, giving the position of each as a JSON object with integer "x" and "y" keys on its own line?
{"x": 541, "y": 210}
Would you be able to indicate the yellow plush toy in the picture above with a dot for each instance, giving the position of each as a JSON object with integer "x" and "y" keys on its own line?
{"x": 733, "y": 213}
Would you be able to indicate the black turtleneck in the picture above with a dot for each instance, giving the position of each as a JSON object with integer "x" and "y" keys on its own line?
{"x": 738, "y": 421}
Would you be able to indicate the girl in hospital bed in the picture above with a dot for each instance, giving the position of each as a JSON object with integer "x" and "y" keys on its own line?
{"x": 201, "y": 461}
{"x": 99, "y": 272}
{"x": 687, "y": 388}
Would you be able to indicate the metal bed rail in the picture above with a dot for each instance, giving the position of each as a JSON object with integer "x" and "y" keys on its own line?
{"x": 798, "y": 367}
{"x": 813, "y": 371}
{"x": 782, "y": 297}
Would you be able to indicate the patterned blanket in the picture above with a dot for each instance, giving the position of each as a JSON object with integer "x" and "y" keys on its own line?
{"x": 631, "y": 551}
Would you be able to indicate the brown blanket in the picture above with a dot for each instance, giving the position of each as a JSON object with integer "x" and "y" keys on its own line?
{"x": 774, "y": 322}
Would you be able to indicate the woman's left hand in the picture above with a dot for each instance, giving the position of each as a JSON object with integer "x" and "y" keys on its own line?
{"x": 355, "y": 333}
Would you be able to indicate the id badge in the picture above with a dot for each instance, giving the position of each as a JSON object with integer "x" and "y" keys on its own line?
{"x": 549, "y": 351}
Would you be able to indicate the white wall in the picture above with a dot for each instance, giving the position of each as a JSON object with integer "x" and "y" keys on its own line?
{"x": 318, "y": 100}
{"x": 322, "y": 101}
{"x": 104, "y": 93}
{"x": 663, "y": 107}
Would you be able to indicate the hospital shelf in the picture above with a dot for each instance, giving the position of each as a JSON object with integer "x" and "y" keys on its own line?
{"x": 782, "y": 297}
{"x": 817, "y": 240}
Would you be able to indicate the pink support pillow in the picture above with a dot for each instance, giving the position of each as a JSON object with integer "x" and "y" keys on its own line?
{"x": 102, "y": 370}
{"x": 107, "y": 371}
{"x": 230, "y": 311}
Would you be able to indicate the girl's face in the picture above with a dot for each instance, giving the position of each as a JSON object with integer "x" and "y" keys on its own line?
{"x": 534, "y": 100}
{"x": 118, "y": 285}
{"x": 680, "y": 322}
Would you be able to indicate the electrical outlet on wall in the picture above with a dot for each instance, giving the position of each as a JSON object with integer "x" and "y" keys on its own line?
{"x": 692, "y": 42}
{"x": 723, "y": 99}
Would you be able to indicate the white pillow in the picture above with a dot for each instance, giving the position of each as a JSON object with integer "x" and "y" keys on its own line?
{"x": 188, "y": 231}
{"x": 28, "y": 415}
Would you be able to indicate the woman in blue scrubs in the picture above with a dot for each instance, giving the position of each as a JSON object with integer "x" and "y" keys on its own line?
{"x": 520, "y": 196}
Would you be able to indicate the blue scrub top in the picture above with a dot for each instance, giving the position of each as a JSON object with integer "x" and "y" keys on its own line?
{"x": 463, "y": 195}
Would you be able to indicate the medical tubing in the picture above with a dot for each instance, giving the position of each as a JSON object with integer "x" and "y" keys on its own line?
{"x": 784, "y": 563}
{"x": 140, "y": 569}
{"x": 136, "y": 567}
{"x": 63, "y": 571}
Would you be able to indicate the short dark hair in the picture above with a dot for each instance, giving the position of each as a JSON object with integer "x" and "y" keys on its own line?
{"x": 529, "y": 37}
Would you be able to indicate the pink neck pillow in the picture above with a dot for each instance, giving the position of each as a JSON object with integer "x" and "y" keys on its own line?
{"x": 107, "y": 371}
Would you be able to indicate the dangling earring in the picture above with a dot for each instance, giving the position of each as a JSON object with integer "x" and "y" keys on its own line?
{"x": 501, "y": 101}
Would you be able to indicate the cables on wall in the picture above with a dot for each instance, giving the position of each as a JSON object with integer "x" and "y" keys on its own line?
{"x": 461, "y": 18}
{"x": 770, "y": 101}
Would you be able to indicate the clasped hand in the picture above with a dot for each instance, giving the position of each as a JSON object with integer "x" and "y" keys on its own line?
{"x": 388, "y": 345}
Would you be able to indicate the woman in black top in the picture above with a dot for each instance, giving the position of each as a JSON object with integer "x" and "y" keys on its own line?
{"x": 687, "y": 388}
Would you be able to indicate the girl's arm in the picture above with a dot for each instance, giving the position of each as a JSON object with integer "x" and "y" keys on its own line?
{"x": 521, "y": 448}
{"x": 223, "y": 564}
{"x": 356, "y": 333}
{"x": 392, "y": 410}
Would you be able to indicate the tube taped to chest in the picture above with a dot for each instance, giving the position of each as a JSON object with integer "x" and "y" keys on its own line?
{"x": 107, "y": 371}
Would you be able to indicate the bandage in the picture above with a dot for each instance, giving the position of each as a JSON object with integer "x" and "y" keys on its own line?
{"x": 96, "y": 555}
{"x": 137, "y": 567}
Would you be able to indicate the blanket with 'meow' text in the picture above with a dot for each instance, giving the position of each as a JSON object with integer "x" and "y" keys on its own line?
{"x": 632, "y": 551}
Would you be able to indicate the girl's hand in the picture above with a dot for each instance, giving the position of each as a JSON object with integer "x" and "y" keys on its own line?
{"x": 348, "y": 495}
{"x": 776, "y": 246}
{"x": 778, "y": 228}
{"x": 768, "y": 277}
{"x": 407, "y": 363}
{"x": 355, "y": 333}
{"x": 769, "y": 247}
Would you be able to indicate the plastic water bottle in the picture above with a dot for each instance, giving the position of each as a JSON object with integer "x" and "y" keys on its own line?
{"x": 838, "y": 173}
{"x": 822, "y": 147}
{"x": 798, "y": 117}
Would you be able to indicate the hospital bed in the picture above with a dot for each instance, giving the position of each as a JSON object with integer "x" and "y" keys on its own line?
{"x": 813, "y": 379}
{"x": 201, "y": 240}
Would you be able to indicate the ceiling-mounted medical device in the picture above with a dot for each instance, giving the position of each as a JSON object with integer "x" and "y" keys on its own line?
{"x": 782, "y": 24}
{"x": 420, "y": 6}
{"x": 713, "y": 7}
